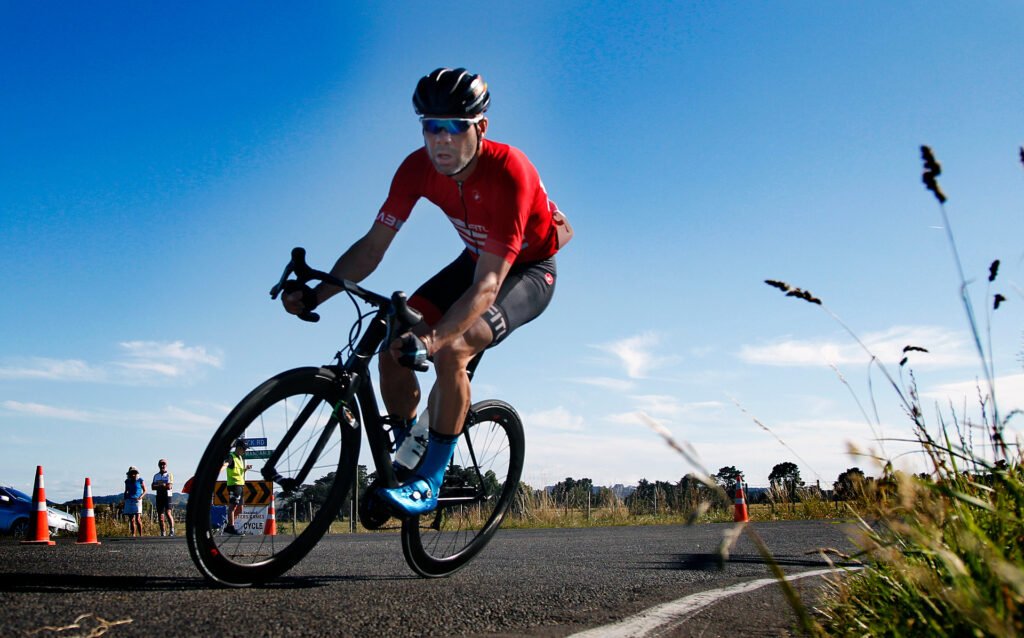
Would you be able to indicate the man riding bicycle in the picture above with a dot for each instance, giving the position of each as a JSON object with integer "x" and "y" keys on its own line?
{"x": 503, "y": 279}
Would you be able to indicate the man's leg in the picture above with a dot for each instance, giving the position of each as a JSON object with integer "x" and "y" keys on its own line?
{"x": 451, "y": 394}
{"x": 234, "y": 509}
{"x": 399, "y": 388}
{"x": 448, "y": 405}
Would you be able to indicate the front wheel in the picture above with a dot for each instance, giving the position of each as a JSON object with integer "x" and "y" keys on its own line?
{"x": 478, "y": 488}
{"x": 299, "y": 418}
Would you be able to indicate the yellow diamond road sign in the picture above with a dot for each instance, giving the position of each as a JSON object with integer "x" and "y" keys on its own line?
{"x": 256, "y": 493}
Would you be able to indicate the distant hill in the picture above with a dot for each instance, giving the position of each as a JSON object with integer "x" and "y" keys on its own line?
{"x": 113, "y": 499}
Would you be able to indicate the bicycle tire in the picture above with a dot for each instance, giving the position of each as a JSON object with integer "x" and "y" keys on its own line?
{"x": 442, "y": 542}
{"x": 268, "y": 412}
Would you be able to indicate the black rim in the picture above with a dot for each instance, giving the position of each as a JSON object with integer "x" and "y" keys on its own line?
{"x": 478, "y": 490}
{"x": 302, "y": 516}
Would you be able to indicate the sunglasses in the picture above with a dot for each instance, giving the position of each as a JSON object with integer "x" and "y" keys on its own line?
{"x": 454, "y": 126}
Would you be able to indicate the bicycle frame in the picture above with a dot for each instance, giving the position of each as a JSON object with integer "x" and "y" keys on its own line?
{"x": 310, "y": 415}
{"x": 355, "y": 377}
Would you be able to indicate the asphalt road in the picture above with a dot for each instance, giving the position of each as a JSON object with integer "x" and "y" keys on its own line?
{"x": 527, "y": 582}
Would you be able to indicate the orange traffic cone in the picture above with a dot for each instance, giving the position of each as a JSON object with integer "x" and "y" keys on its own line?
{"x": 87, "y": 527}
{"x": 39, "y": 527}
{"x": 270, "y": 527}
{"x": 741, "y": 515}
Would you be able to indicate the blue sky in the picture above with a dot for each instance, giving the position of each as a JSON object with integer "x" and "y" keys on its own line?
{"x": 158, "y": 161}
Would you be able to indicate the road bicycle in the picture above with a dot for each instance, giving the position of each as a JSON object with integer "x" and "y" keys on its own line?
{"x": 310, "y": 420}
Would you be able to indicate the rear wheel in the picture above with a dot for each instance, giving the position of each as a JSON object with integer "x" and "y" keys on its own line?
{"x": 298, "y": 414}
{"x": 478, "y": 489}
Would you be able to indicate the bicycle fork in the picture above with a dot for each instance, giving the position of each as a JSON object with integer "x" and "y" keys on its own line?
{"x": 340, "y": 413}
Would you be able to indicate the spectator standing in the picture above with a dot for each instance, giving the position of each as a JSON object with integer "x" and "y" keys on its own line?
{"x": 236, "y": 469}
{"x": 163, "y": 485}
{"x": 134, "y": 490}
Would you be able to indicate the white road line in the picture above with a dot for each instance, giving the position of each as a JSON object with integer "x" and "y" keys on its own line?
{"x": 650, "y": 620}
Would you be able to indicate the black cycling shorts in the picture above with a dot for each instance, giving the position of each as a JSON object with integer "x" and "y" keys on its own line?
{"x": 163, "y": 502}
{"x": 235, "y": 493}
{"x": 524, "y": 294}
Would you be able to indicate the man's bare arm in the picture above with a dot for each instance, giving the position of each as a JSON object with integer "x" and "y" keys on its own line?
{"x": 490, "y": 273}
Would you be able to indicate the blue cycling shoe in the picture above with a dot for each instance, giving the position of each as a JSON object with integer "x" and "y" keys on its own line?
{"x": 412, "y": 499}
{"x": 419, "y": 495}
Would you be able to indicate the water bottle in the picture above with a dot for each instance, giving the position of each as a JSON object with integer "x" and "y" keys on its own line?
{"x": 414, "y": 446}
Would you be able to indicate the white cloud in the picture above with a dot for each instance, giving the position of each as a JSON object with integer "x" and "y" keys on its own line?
{"x": 635, "y": 354}
{"x": 1009, "y": 394}
{"x": 52, "y": 370}
{"x": 624, "y": 418}
{"x": 555, "y": 419}
{"x": 171, "y": 359}
{"x": 669, "y": 406}
{"x": 142, "y": 362}
{"x": 606, "y": 383}
{"x": 48, "y": 411}
{"x": 168, "y": 419}
{"x": 946, "y": 348}
{"x": 623, "y": 457}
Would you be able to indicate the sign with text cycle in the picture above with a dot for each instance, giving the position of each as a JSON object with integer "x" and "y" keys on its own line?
{"x": 252, "y": 520}
{"x": 256, "y": 493}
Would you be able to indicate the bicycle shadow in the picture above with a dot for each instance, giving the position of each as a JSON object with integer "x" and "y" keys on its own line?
{"x": 67, "y": 583}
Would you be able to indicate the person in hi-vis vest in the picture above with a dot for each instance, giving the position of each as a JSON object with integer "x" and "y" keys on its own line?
{"x": 236, "y": 468}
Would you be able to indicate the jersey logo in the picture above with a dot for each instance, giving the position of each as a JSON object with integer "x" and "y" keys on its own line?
{"x": 548, "y": 277}
{"x": 473, "y": 235}
{"x": 389, "y": 220}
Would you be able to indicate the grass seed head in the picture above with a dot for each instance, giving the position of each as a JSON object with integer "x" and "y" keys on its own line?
{"x": 993, "y": 270}
{"x": 932, "y": 169}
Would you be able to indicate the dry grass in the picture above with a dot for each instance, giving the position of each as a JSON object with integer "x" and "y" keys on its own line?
{"x": 945, "y": 551}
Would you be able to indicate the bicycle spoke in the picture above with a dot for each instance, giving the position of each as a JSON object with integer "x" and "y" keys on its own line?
{"x": 293, "y": 414}
{"x": 474, "y": 497}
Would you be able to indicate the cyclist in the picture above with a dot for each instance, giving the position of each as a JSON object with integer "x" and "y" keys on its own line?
{"x": 504, "y": 277}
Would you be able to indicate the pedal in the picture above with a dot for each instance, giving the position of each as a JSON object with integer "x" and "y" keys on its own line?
{"x": 372, "y": 513}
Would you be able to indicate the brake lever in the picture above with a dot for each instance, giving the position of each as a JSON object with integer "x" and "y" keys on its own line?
{"x": 276, "y": 290}
{"x": 296, "y": 265}
{"x": 406, "y": 314}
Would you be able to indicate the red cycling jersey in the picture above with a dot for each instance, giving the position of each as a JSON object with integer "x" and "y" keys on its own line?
{"x": 502, "y": 208}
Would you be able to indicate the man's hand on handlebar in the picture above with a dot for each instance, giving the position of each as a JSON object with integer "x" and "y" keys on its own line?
{"x": 410, "y": 351}
{"x": 298, "y": 298}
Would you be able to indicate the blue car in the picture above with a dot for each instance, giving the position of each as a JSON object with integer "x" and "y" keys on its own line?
{"x": 16, "y": 513}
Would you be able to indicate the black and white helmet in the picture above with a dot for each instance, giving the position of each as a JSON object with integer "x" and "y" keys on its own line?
{"x": 451, "y": 92}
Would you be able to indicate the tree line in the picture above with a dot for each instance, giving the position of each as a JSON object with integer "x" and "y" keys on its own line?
{"x": 685, "y": 495}
{"x": 647, "y": 497}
